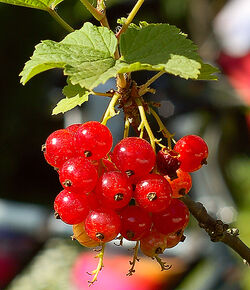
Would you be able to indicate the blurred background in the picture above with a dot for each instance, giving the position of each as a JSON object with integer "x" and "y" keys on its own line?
{"x": 36, "y": 251}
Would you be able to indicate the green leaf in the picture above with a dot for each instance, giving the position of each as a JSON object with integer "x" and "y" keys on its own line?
{"x": 162, "y": 47}
{"x": 38, "y": 4}
{"x": 75, "y": 96}
{"x": 86, "y": 55}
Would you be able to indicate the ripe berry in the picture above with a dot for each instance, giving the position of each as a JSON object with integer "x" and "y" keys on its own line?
{"x": 135, "y": 223}
{"x": 73, "y": 128}
{"x": 78, "y": 175}
{"x": 193, "y": 152}
{"x": 168, "y": 162}
{"x": 153, "y": 244}
{"x": 80, "y": 235}
{"x": 173, "y": 219}
{"x": 113, "y": 189}
{"x": 102, "y": 225}
{"x": 181, "y": 185}
{"x": 134, "y": 155}
{"x": 93, "y": 140}
{"x": 174, "y": 238}
{"x": 72, "y": 208}
{"x": 59, "y": 147}
{"x": 153, "y": 193}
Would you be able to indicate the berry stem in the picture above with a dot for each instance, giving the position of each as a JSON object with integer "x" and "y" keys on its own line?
{"x": 126, "y": 127}
{"x": 97, "y": 14}
{"x": 216, "y": 229}
{"x": 109, "y": 95}
{"x": 130, "y": 18}
{"x": 145, "y": 88}
{"x": 59, "y": 19}
{"x": 144, "y": 122}
{"x": 135, "y": 258}
{"x": 110, "y": 112}
{"x": 163, "y": 265}
{"x": 99, "y": 266}
{"x": 163, "y": 129}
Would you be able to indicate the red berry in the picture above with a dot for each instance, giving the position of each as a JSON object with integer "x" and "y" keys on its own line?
{"x": 181, "y": 185}
{"x": 78, "y": 175}
{"x": 113, "y": 189}
{"x": 193, "y": 152}
{"x": 135, "y": 223}
{"x": 73, "y": 128}
{"x": 72, "y": 208}
{"x": 59, "y": 147}
{"x": 153, "y": 193}
{"x": 102, "y": 225}
{"x": 153, "y": 243}
{"x": 93, "y": 140}
{"x": 173, "y": 219}
{"x": 174, "y": 238}
{"x": 134, "y": 155}
{"x": 168, "y": 162}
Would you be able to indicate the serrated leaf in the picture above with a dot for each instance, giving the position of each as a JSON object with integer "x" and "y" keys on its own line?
{"x": 75, "y": 96}
{"x": 87, "y": 56}
{"x": 162, "y": 47}
{"x": 37, "y": 4}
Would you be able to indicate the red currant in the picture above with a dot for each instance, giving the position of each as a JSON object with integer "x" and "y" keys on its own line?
{"x": 78, "y": 175}
{"x": 168, "y": 162}
{"x": 102, "y": 225}
{"x": 193, "y": 152}
{"x": 153, "y": 193}
{"x": 72, "y": 208}
{"x": 181, "y": 185}
{"x": 73, "y": 128}
{"x": 134, "y": 155}
{"x": 93, "y": 140}
{"x": 173, "y": 219}
{"x": 59, "y": 147}
{"x": 174, "y": 238}
{"x": 113, "y": 189}
{"x": 81, "y": 236}
{"x": 135, "y": 223}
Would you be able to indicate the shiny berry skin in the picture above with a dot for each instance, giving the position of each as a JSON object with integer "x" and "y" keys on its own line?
{"x": 80, "y": 235}
{"x": 168, "y": 162}
{"x": 153, "y": 193}
{"x": 59, "y": 147}
{"x": 173, "y": 239}
{"x": 135, "y": 223}
{"x": 102, "y": 225}
{"x": 173, "y": 219}
{"x": 93, "y": 140}
{"x": 73, "y": 128}
{"x": 181, "y": 185}
{"x": 72, "y": 208}
{"x": 134, "y": 155}
{"x": 78, "y": 175}
{"x": 113, "y": 189}
{"x": 193, "y": 152}
{"x": 154, "y": 243}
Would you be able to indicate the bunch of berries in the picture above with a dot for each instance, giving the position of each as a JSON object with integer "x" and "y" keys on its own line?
{"x": 131, "y": 191}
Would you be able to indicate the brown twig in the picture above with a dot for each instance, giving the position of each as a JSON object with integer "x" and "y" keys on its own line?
{"x": 216, "y": 229}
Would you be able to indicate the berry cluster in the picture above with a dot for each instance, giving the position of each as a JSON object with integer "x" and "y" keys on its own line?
{"x": 131, "y": 191}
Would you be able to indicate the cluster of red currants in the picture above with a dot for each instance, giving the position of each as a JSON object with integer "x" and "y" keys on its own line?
{"x": 131, "y": 191}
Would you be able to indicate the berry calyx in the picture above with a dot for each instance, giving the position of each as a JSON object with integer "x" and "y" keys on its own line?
{"x": 78, "y": 175}
{"x": 134, "y": 156}
{"x": 72, "y": 208}
{"x": 135, "y": 223}
{"x": 153, "y": 193}
{"x": 93, "y": 140}
{"x": 173, "y": 219}
{"x": 102, "y": 225}
{"x": 168, "y": 162}
{"x": 193, "y": 152}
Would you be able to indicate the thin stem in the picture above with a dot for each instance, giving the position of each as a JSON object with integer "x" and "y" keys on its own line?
{"x": 163, "y": 129}
{"x": 126, "y": 128}
{"x": 130, "y": 18}
{"x": 145, "y": 123}
{"x": 97, "y": 14}
{"x": 110, "y": 112}
{"x": 110, "y": 95}
{"x": 59, "y": 19}
{"x": 99, "y": 266}
{"x": 135, "y": 258}
{"x": 144, "y": 88}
